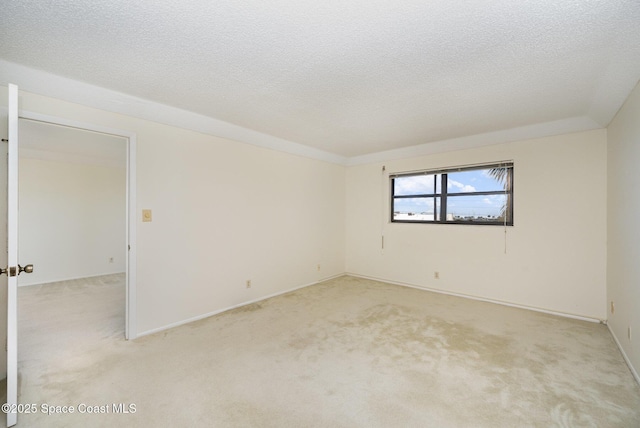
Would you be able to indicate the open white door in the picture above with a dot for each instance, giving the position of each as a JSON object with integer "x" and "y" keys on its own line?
{"x": 12, "y": 257}
{"x": 13, "y": 268}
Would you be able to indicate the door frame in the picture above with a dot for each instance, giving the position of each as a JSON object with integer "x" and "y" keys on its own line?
{"x": 131, "y": 331}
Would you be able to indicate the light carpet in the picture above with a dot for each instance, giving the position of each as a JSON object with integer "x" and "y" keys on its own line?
{"x": 348, "y": 352}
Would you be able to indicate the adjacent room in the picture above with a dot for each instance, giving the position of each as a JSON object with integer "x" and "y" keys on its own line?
{"x": 72, "y": 226}
{"x": 72, "y": 202}
{"x": 345, "y": 214}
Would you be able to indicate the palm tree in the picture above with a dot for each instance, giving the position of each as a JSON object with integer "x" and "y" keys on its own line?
{"x": 501, "y": 175}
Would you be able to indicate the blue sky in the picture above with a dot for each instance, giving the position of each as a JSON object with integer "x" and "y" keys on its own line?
{"x": 458, "y": 182}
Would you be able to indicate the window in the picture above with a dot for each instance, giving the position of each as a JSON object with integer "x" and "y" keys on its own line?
{"x": 465, "y": 195}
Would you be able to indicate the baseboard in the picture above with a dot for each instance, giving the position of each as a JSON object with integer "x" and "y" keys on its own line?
{"x": 482, "y": 299}
{"x": 250, "y": 302}
{"x": 388, "y": 281}
{"x": 68, "y": 279}
{"x": 624, "y": 355}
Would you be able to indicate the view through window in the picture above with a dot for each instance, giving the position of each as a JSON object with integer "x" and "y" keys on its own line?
{"x": 465, "y": 195}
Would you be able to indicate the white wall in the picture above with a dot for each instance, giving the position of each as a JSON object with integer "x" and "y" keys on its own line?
{"x": 223, "y": 212}
{"x": 556, "y": 250}
{"x": 72, "y": 220}
{"x": 623, "y": 261}
{"x": 226, "y": 212}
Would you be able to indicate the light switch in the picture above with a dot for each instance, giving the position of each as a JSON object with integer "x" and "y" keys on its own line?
{"x": 146, "y": 215}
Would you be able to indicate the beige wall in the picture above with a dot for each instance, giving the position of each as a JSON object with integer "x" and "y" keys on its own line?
{"x": 72, "y": 220}
{"x": 623, "y": 261}
{"x": 223, "y": 213}
{"x": 556, "y": 251}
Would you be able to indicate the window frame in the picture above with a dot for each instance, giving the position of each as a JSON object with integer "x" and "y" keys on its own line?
{"x": 444, "y": 194}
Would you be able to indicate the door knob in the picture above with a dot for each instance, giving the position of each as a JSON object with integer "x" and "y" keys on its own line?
{"x": 25, "y": 269}
{"x": 11, "y": 270}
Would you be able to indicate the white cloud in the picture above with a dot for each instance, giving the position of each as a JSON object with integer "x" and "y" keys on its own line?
{"x": 414, "y": 203}
{"x": 487, "y": 201}
{"x": 413, "y": 185}
{"x": 464, "y": 188}
{"x": 421, "y": 202}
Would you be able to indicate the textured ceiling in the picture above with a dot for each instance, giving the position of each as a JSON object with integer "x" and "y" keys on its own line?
{"x": 347, "y": 77}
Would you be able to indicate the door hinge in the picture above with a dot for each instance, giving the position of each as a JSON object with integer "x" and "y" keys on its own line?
{"x": 13, "y": 271}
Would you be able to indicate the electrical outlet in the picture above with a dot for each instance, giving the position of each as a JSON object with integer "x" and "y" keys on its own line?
{"x": 436, "y": 275}
{"x": 613, "y": 307}
{"x": 248, "y": 283}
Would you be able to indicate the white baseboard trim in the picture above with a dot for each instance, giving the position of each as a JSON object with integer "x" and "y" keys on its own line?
{"x": 482, "y": 299}
{"x": 68, "y": 279}
{"x": 388, "y": 281}
{"x": 624, "y": 355}
{"x": 219, "y": 311}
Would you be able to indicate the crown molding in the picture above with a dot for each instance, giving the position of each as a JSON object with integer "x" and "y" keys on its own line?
{"x": 558, "y": 127}
{"x": 51, "y": 85}
{"x": 54, "y": 86}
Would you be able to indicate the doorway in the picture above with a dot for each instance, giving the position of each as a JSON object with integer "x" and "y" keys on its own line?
{"x": 82, "y": 177}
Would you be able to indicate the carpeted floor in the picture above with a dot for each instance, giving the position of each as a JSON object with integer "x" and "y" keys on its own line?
{"x": 347, "y": 352}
